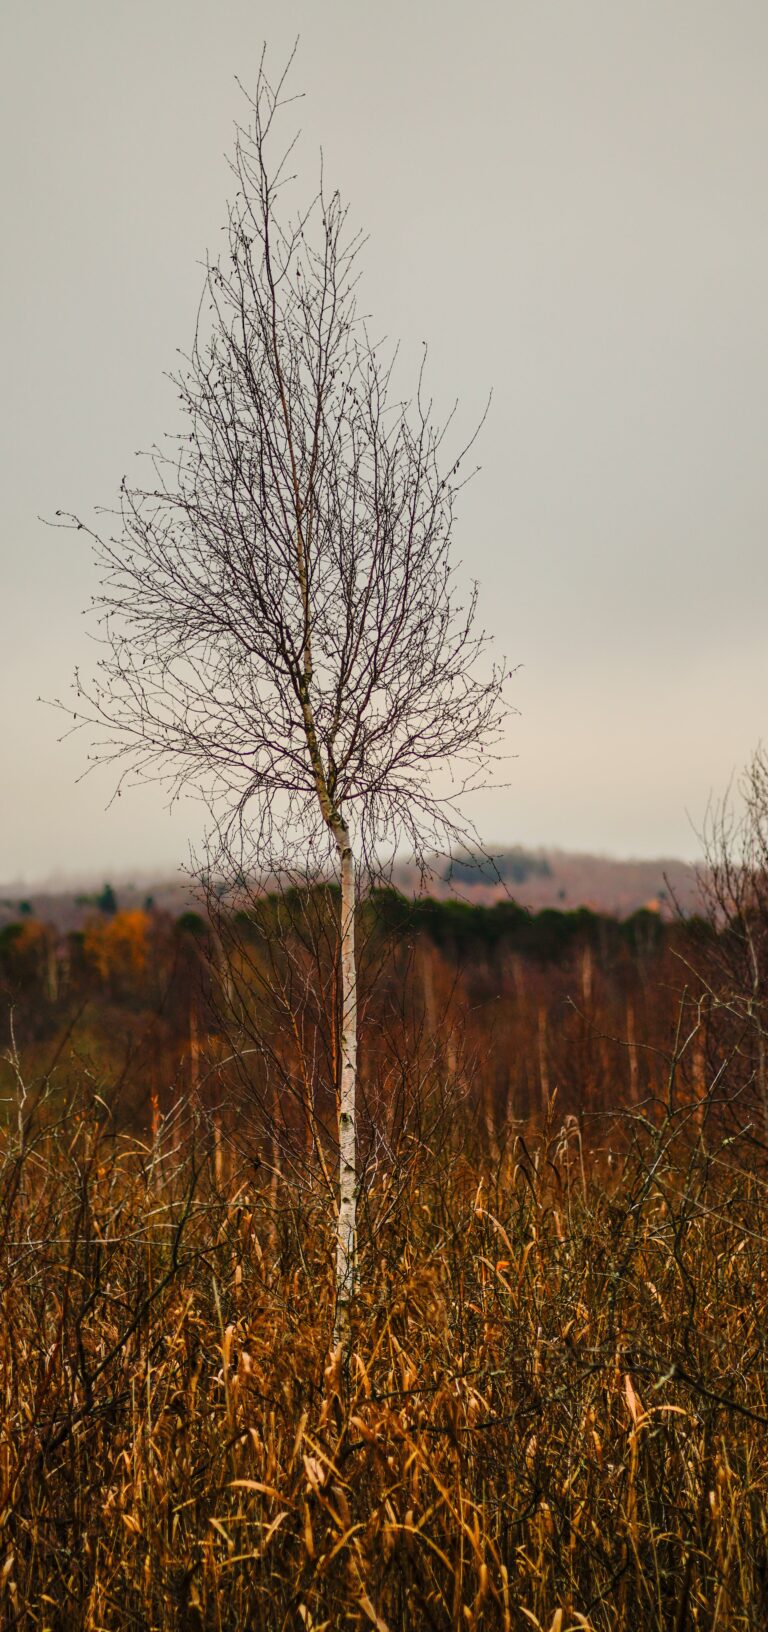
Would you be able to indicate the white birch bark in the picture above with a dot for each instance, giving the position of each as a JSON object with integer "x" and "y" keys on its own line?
{"x": 346, "y": 1225}
{"x": 346, "y": 1229}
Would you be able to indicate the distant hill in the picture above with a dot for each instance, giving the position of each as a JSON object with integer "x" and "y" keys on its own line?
{"x": 565, "y": 880}
{"x": 534, "y": 878}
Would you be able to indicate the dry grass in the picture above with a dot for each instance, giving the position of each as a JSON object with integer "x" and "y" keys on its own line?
{"x": 555, "y": 1414}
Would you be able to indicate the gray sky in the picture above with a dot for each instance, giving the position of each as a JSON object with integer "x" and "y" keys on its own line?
{"x": 567, "y": 200}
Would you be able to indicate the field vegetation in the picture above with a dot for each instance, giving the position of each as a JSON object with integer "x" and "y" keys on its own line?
{"x": 555, "y": 1406}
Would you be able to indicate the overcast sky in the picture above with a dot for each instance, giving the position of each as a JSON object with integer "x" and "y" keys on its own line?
{"x": 567, "y": 200}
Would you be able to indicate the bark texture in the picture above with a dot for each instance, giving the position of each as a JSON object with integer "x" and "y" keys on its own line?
{"x": 345, "y": 1239}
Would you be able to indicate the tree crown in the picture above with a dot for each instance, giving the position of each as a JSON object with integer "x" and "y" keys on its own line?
{"x": 282, "y": 628}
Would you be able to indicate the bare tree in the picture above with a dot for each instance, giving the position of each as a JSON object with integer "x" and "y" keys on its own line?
{"x": 281, "y": 625}
{"x": 734, "y": 888}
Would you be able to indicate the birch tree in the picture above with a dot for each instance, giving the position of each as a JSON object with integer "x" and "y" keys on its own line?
{"x": 282, "y": 627}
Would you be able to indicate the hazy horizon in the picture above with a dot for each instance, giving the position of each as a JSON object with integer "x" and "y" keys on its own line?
{"x": 140, "y": 878}
{"x": 567, "y": 204}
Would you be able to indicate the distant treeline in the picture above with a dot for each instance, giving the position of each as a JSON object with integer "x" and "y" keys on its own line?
{"x": 460, "y": 929}
{"x": 547, "y": 936}
{"x": 509, "y": 867}
{"x": 514, "y": 1005}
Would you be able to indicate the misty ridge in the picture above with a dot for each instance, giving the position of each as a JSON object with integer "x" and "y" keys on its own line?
{"x": 534, "y": 879}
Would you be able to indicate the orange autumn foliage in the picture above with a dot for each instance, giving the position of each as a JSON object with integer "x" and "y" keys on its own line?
{"x": 117, "y": 947}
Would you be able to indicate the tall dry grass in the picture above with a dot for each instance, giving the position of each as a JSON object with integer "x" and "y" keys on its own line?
{"x": 555, "y": 1413}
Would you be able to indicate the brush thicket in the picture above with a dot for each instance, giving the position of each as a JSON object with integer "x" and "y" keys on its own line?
{"x": 554, "y": 1413}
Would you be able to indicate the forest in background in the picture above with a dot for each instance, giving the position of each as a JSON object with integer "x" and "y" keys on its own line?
{"x": 524, "y": 1005}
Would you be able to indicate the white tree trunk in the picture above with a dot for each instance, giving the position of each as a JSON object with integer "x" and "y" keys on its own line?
{"x": 345, "y": 1236}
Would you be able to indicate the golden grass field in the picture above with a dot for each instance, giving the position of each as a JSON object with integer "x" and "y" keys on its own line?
{"x": 554, "y": 1416}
